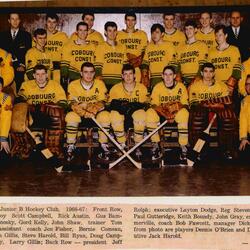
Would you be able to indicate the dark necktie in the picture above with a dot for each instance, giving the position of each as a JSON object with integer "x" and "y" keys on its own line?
{"x": 236, "y": 33}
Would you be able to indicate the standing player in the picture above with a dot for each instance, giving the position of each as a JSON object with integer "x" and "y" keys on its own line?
{"x": 158, "y": 54}
{"x": 55, "y": 41}
{"x": 165, "y": 96}
{"x": 6, "y": 69}
{"x": 245, "y": 72}
{"x": 135, "y": 41}
{"x": 5, "y": 118}
{"x": 94, "y": 36}
{"x": 110, "y": 57}
{"x": 192, "y": 55}
{"x": 226, "y": 59}
{"x": 38, "y": 55}
{"x": 75, "y": 53}
{"x": 209, "y": 94}
{"x": 172, "y": 34}
{"x": 84, "y": 92}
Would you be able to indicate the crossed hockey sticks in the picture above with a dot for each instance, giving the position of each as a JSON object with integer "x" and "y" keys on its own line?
{"x": 50, "y": 157}
{"x": 137, "y": 145}
{"x": 125, "y": 154}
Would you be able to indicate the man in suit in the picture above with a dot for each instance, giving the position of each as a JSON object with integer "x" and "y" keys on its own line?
{"x": 238, "y": 35}
{"x": 16, "y": 41}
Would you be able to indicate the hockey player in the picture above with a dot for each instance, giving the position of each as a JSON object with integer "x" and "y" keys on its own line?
{"x": 110, "y": 57}
{"x": 6, "y": 69}
{"x": 75, "y": 53}
{"x": 87, "y": 96}
{"x": 158, "y": 54}
{"x": 226, "y": 59}
{"x": 209, "y": 94}
{"x": 135, "y": 41}
{"x": 43, "y": 97}
{"x": 94, "y": 36}
{"x": 192, "y": 55}
{"x": 172, "y": 34}
{"x": 245, "y": 119}
{"x": 245, "y": 72}
{"x": 55, "y": 41}
{"x": 5, "y": 118}
{"x": 170, "y": 99}
{"x": 38, "y": 55}
{"x": 206, "y": 32}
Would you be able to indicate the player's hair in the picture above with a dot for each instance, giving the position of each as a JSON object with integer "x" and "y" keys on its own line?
{"x": 39, "y": 31}
{"x": 170, "y": 68}
{"x": 190, "y": 22}
{"x": 128, "y": 67}
{"x": 235, "y": 10}
{"x": 52, "y": 16}
{"x": 82, "y": 24}
{"x": 10, "y": 13}
{"x": 88, "y": 14}
{"x": 110, "y": 24}
{"x": 132, "y": 14}
{"x": 207, "y": 65}
{"x": 167, "y": 14}
{"x": 88, "y": 65}
{"x": 40, "y": 67}
{"x": 220, "y": 27}
{"x": 156, "y": 26}
{"x": 207, "y": 12}
{"x": 1, "y": 81}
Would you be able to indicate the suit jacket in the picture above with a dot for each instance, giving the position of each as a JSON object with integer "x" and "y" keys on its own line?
{"x": 242, "y": 41}
{"x": 17, "y": 47}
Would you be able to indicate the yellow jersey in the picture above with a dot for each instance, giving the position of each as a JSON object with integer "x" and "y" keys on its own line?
{"x": 177, "y": 37}
{"x": 6, "y": 69}
{"x": 242, "y": 81}
{"x": 245, "y": 118}
{"x": 94, "y": 37}
{"x": 207, "y": 38}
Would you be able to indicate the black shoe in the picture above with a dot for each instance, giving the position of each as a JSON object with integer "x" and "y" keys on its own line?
{"x": 228, "y": 156}
{"x": 105, "y": 153}
{"x": 156, "y": 152}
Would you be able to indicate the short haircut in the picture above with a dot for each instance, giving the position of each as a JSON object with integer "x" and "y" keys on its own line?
{"x": 52, "y": 16}
{"x": 110, "y": 24}
{"x": 39, "y": 31}
{"x": 88, "y": 65}
{"x": 156, "y": 26}
{"x": 88, "y": 14}
{"x": 168, "y": 14}
{"x": 220, "y": 27}
{"x": 170, "y": 68}
{"x": 1, "y": 81}
{"x": 231, "y": 12}
{"x": 206, "y": 12}
{"x": 13, "y": 13}
{"x": 132, "y": 14}
{"x": 128, "y": 67}
{"x": 82, "y": 24}
{"x": 191, "y": 22}
{"x": 207, "y": 65}
{"x": 40, "y": 67}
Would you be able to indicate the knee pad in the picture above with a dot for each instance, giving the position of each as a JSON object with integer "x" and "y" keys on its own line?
{"x": 72, "y": 117}
{"x": 152, "y": 116}
{"x": 139, "y": 116}
{"x": 182, "y": 116}
{"x": 116, "y": 118}
{"x": 103, "y": 117}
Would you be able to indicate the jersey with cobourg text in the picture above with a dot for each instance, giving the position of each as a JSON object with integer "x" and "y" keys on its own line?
{"x": 191, "y": 57}
{"x": 73, "y": 56}
{"x": 245, "y": 118}
{"x": 35, "y": 56}
{"x": 177, "y": 37}
{"x": 139, "y": 93}
{"x": 5, "y": 115}
{"x": 94, "y": 37}
{"x": 97, "y": 92}
{"x": 54, "y": 45}
{"x": 226, "y": 62}
{"x": 109, "y": 62}
{"x": 135, "y": 42}
{"x": 156, "y": 57}
{"x": 207, "y": 38}
{"x": 201, "y": 92}
{"x": 161, "y": 94}
{"x": 33, "y": 94}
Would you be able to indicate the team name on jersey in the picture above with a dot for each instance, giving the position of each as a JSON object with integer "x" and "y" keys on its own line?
{"x": 87, "y": 99}
{"x": 41, "y": 98}
{"x": 132, "y": 99}
{"x": 205, "y": 96}
{"x": 164, "y": 99}
{"x": 222, "y": 61}
{"x": 156, "y": 55}
{"x": 43, "y": 61}
{"x": 209, "y": 43}
{"x": 55, "y": 43}
{"x": 114, "y": 57}
{"x": 83, "y": 55}
{"x": 131, "y": 43}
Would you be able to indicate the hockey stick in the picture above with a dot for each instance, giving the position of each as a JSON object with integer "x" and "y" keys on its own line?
{"x": 200, "y": 143}
{"x": 50, "y": 157}
{"x": 125, "y": 154}
{"x": 137, "y": 145}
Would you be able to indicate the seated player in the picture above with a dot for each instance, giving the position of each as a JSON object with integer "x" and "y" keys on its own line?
{"x": 127, "y": 99}
{"x": 170, "y": 99}
{"x": 208, "y": 95}
{"x": 5, "y": 118}
{"x": 87, "y": 96}
{"x": 42, "y": 96}
{"x": 245, "y": 120}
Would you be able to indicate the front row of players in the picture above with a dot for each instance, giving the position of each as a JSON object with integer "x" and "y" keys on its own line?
{"x": 127, "y": 105}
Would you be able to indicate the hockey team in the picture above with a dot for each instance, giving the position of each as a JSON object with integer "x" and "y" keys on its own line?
{"x": 125, "y": 81}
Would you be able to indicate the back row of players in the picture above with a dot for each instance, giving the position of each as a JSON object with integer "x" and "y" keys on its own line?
{"x": 64, "y": 59}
